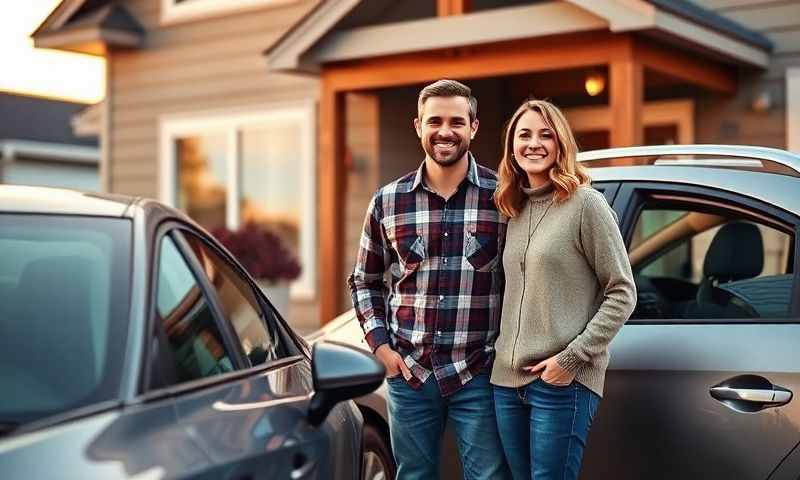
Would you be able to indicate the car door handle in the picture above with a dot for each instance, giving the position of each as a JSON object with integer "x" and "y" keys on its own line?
{"x": 302, "y": 466}
{"x": 776, "y": 397}
{"x": 750, "y": 393}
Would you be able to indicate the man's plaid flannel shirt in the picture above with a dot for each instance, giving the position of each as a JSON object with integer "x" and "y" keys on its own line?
{"x": 444, "y": 259}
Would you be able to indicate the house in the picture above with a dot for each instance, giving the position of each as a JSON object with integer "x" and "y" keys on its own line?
{"x": 292, "y": 112}
{"x": 39, "y": 145}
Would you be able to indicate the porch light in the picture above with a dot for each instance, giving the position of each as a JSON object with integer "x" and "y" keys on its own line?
{"x": 595, "y": 84}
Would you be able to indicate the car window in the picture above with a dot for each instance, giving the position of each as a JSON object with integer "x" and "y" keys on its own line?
{"x": 698, "y": 263}
{"x": 255, "y": 330}
{"x": 185, "y": 323}
{"x": 64, "y": 289}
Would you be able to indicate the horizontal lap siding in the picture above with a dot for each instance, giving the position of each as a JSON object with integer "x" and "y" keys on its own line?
{"x": 211, "y": 64}
{"x": 734, "y": 120}
{"x": 205, "y": 65}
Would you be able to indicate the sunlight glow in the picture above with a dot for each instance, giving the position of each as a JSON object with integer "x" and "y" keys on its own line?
{"x": 43, "y": 72}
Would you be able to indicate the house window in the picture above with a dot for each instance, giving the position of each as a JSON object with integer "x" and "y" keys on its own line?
{"x": 233, "y": 168}
{"x": 175, "y": 11}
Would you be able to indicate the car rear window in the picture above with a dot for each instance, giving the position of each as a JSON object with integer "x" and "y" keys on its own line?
{"x": 64, "y": 290}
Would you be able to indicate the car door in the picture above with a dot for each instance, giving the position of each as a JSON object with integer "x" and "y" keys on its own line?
{"x": 701, "y": 377}
{"x": 239, "y": 383}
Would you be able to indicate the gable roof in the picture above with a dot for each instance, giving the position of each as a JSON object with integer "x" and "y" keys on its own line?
{"x": 89, "y": 26}
{"x": 315, "y": 40}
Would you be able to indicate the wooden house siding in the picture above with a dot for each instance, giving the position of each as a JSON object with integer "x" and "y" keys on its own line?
{"x": 210, "y": 65}
{"x": 734, "y": 120}
{"x": 202, "y": 65}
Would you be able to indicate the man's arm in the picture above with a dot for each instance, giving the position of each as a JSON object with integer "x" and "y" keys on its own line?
{"x": 367, "y": 287}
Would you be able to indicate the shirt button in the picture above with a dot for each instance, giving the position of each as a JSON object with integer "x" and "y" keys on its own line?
{"x": 444, "y": 261}
{"x": 445, "y": 234}
{"x": 438, "y": 332}
{"x": 441, "y": 298}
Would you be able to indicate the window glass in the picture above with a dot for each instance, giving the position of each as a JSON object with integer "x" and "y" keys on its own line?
{"x": 64, "y": 289}
{"x": 696, "y": 264}
{"x": 187, "y": 323}
{"x": 256, "y": 332}
{"x": 202, "y": 176}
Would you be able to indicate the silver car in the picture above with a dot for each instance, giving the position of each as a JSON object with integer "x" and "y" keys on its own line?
{"x": 702, "y": 377}
{"x": 132, "y": 345}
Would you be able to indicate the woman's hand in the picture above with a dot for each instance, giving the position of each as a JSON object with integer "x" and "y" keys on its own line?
{"x": 551, "y": 372}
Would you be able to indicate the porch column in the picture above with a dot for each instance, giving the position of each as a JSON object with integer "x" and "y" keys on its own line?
{"x": 446, "y": 8}
{"x": 331, "y": 200}
{"x": 626, "y": 96}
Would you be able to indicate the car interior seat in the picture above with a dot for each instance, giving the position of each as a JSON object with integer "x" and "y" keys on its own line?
{"x": 52, "y": 328}
{"x": 736, "y": 253}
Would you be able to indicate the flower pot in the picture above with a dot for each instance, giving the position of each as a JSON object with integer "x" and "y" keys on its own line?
{"x": 277, "y": 293}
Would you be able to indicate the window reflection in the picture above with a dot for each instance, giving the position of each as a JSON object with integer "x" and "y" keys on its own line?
{"x": 202, "y": 174}
{"x": 187, "y": 321}
{"x": 240, "y": 306}
{"x": 271, "y": 188}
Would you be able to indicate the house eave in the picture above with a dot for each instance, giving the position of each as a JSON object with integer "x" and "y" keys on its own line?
{"x": 304, "y": 50}
{"x": 91, "y": 40}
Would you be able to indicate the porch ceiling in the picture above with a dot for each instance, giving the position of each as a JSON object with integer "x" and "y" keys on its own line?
{"x": 315, "y": 42}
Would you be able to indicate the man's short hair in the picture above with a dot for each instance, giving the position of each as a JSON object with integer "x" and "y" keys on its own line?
{"x": 448, "y": 88}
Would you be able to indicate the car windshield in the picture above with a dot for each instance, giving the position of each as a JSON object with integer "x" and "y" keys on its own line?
{"x": 64, "y": 284}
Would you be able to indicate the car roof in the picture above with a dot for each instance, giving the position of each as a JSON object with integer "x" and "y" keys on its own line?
{"x": 778, "y": 190}
{"x": 60, "y": 201}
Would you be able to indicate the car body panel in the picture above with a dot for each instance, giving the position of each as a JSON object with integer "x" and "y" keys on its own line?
{"x": 250, "y": 423}
{"x": 670, "y": 369}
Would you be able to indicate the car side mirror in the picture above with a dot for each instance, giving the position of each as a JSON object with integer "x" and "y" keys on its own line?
{"x": 340, "y": 372}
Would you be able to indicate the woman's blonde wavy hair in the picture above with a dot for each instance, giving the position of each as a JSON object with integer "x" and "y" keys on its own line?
{"x": 566, "y": 174}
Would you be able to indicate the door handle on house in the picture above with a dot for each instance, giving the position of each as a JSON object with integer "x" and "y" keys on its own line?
{"x": 750, "y": 393}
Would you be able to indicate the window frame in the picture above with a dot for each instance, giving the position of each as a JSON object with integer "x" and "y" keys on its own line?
{"x": 282, "y": 329}
{"x": 633, "y": 196}
{"x": 232, "y": 123}
{"x": 242, "y": 368}
{"x": 173, "y": 12}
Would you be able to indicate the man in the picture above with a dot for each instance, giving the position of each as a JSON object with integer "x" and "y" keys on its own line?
{"x": 438, "y": 235}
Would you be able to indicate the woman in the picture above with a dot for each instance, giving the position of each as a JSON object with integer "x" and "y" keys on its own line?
{"x": 569, "y": 289}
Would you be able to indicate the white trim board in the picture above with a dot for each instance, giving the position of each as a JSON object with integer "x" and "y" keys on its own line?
{"x": 793, "y": 109}
{"x": 189, "y": 10}
{"x": 231, "y": 123}
{"x": 57, "y": 152}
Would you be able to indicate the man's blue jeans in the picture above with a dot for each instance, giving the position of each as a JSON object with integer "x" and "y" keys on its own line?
{"x": 543, "y": 428}
{"x": 418, "y": 419}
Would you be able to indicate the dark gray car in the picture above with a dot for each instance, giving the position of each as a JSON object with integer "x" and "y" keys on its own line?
{"x": 133, "y": 346}
{"x": 703, "y": 376}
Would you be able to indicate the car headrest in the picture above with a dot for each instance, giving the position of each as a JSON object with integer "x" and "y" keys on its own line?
{"x": 736, "y": 253}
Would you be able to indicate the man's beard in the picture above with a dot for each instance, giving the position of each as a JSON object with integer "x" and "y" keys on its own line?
{"x": 460, "y": 149}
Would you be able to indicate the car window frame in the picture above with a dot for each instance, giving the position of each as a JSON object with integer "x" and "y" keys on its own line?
{"x": 631, "y": 198}
{"x": 288, "y": 337}
{"x": 168, "y": 229}
{"x": 608, "y": 189}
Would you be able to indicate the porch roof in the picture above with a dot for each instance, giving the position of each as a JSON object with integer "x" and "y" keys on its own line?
{"x": 315, "y": 40}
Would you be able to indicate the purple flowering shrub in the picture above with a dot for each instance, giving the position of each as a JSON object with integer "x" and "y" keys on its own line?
{"x": 262, "y": 253}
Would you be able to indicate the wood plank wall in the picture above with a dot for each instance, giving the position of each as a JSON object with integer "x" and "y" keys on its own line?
{"x": 734, "y": 120}
{"x": 214, "y": 63}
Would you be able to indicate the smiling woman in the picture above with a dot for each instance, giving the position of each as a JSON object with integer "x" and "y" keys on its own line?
{"x": 41, "y": 72}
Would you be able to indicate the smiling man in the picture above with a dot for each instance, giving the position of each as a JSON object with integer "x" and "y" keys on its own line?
{"x": 437, "y": 233}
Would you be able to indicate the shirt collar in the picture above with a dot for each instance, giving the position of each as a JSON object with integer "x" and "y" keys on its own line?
{"x": 472, "y": 174}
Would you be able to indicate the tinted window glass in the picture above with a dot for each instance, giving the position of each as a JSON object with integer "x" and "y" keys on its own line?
{"x": 706, "y": 263}
{"x": 186, "y": 322}
{"x": 257, "y": 333}
{"x": 64, "y": 286}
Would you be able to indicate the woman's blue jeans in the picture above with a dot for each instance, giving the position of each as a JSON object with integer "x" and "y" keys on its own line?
{"x": 543, "y": 428}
